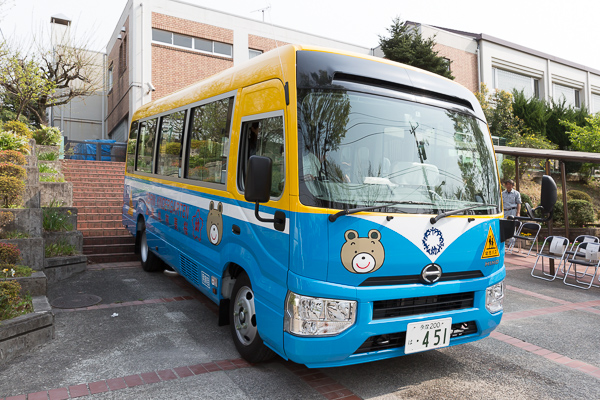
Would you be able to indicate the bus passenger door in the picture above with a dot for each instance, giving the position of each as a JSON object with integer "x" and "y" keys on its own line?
{"x": 262, "y": 123}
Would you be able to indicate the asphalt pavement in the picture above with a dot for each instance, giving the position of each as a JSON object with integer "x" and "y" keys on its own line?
{"x": 155, "y": 337}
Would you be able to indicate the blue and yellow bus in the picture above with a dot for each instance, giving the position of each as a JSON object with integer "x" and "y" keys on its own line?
{"x": 338, "y": 208}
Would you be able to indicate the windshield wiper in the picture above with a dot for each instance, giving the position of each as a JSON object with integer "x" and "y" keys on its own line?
{"x": 435, "y": 219}
{"x": 338, "y": 214}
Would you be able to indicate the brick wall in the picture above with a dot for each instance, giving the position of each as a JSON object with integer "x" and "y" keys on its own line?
{"x": 463, "y": 67}
{"x": 191, "y": 28}
{"x": 118, "y": 96}
{"x": 262, "y": 43}
{"x": 174, "y": 69}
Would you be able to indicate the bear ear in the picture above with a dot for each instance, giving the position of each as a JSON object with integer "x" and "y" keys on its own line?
{"x": 211, "y": 206}
{"x": 374, "y": 234}
{"x": 350, "y": 235}
{"x": 220, "y": 207}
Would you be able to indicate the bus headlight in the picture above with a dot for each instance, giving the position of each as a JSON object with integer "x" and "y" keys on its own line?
{"x": 315, "y": 316}
{"x": 494, "y": 296}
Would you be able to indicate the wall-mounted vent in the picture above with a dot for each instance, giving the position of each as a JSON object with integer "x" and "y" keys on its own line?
{"x": 190, "y": 270}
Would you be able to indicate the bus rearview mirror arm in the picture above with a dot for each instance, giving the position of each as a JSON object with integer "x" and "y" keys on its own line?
{"x": 258, "y": 188}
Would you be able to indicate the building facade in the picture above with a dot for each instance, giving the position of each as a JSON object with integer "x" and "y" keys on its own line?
{"x": 504, "y": 65}
{"x": 161, "y": 46}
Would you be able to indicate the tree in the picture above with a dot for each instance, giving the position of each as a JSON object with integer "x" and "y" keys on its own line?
{"x": 498, "y": 110}
{"x": 407, "y": 46}
{"x": 68, "y": 70}
{"x": 23, "y": 82}
{"x": 585, "y": 138}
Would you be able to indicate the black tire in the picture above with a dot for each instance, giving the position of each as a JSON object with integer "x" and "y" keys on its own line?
{"x": 242, "y": 317}
{"x": 150, "y": 261}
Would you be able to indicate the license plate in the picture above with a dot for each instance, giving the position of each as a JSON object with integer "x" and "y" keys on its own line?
{"x": 427, "y": 335}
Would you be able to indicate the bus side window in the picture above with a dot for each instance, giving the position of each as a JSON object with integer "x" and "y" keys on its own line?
{"x": 208, "y": 142}
{"x": 170, "y": 144}
{"x": 145, "y": 154}
{"x": 131, "y": 143}
{"x": 264, "y": 137}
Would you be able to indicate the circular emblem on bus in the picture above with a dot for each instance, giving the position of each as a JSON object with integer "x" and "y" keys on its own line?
{"x": 433, "y": 241}
{"x": 431, "y": 273}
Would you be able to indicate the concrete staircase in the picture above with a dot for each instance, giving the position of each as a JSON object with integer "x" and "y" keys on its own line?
{"x": 98, "y": 196}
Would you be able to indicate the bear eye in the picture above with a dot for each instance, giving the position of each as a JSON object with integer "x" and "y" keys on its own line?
{"x": 372, "y": 251}
{"x": 355, "y": 251}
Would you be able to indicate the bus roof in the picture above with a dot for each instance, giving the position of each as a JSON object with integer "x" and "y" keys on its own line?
{"x": 280, "y": 64}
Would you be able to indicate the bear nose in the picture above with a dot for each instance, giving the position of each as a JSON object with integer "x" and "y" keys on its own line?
{"x": 363, "y": 257}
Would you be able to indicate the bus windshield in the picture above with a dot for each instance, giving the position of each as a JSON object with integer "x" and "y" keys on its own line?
{"x": 362, "y": 150}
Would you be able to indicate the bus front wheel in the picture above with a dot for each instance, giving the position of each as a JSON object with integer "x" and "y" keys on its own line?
{"x": 150, "y": 262}
{"x": 244, "y": 331}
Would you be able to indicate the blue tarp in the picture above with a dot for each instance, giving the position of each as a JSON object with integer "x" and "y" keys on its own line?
{"x": 87, "y": 150}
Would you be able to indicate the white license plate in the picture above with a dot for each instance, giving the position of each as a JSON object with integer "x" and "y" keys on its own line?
{"x": 427, "y": 335}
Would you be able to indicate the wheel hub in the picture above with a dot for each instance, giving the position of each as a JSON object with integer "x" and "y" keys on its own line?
{"x": 244, "y": 316}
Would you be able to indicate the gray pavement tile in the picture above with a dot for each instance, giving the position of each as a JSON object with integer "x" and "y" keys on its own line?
{"x": 484, "y": 370}
{"x": 216, "y": 385}
{"x": 92, "y": 345}
{"x": 514, "y": 301}
{"x": 118, "y": 285}
{"x": 557, "y": 289}
{"x": 571, "y": 333}
{"x": 272, "y": 381}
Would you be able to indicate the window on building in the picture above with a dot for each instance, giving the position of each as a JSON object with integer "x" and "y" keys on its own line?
{"x": 254, "y": 53}
{"x": 168, "y": 160}
{"x": 123, "y": 56}
{"x": 264, "y": 137}
{"x": 208, "y": 142}
{"x": 109, "y": 77}
{"x": 569, "y": 94}
{"x": 509, "y": 81}
{"x": 595, "y": 103}
{"x": 145, "y": 152}
{"x": 448, "y": 63}
{"x": 189, "y": 42}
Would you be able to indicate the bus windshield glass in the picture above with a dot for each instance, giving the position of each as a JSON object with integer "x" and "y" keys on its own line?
{"x": 363, "y": 150}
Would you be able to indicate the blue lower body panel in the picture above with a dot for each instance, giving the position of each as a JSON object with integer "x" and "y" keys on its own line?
{"x": 342, "y": 349}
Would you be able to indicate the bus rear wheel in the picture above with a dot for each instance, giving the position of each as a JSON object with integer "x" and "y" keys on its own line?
{"x": 150, "y": 262}
{"x": 244, "y": 331}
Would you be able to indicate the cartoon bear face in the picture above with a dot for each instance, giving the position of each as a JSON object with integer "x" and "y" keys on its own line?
{"x": 214, "y": 223}
{"x": 362, "y": 255}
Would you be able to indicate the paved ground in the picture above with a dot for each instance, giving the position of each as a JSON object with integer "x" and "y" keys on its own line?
{"x": 165, "y": 344}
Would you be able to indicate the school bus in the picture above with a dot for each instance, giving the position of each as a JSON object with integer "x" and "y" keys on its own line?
{"x": 339, "y": 208}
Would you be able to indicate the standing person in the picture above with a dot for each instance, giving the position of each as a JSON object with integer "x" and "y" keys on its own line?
{"x": 512, "y": 202}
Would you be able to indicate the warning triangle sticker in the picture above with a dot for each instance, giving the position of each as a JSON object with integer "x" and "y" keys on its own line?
{"x": 491, "y": 247}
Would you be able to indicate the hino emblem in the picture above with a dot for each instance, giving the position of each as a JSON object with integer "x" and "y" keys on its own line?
{"x": 431, "y": 273}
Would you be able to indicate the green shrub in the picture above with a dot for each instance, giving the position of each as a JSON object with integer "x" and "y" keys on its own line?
{"x": 49, "y": 156}
{"x": 17, "y": 127}
{"x": 508, "y": 169}
{"x": 11, "y": 191}
{"x": 58, "y": 249}
{"x": 196, "y": 161}
{"x": 51, "y": 179}
{"x": 12, "y": 141}
{"x": 6, "y": 217}
{"x": 12, "y": 156}
{"x": 9, "y": 253}
{"x": 48, "y": 136}
{"x": 11, "y": 303}
{"x": 173, "y": 148}
{"x": 14, "y": 235}
{"x": 578, "y": 195}
{"x": 10, "y": 169}
{"x": 580, "y": 212}
{"x": 56, "y": 221}
{"x": 14, "y": 271}
{"x": 46, "y": 169}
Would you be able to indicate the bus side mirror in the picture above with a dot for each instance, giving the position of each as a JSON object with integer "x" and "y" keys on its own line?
{"x": 258, "y": 188}
{"x": 258, "y": 179}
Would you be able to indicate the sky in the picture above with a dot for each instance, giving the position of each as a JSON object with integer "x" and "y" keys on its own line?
{"x": 562, "y": 29}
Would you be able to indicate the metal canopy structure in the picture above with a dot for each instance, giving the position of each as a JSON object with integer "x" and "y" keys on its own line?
{"x": 561, "y": 156}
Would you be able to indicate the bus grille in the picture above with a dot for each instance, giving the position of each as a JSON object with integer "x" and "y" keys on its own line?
{"x": 190, "y": 270}
{"x": 422, "y": 305}
{"x": 397, "y": 340}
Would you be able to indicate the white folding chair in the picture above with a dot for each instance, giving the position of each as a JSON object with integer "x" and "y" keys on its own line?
{"x": 578, "y": 240}
{"x": 591, "y": 259}
{"x": 527, "y": 231}
{"x": 556, "y": 250}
